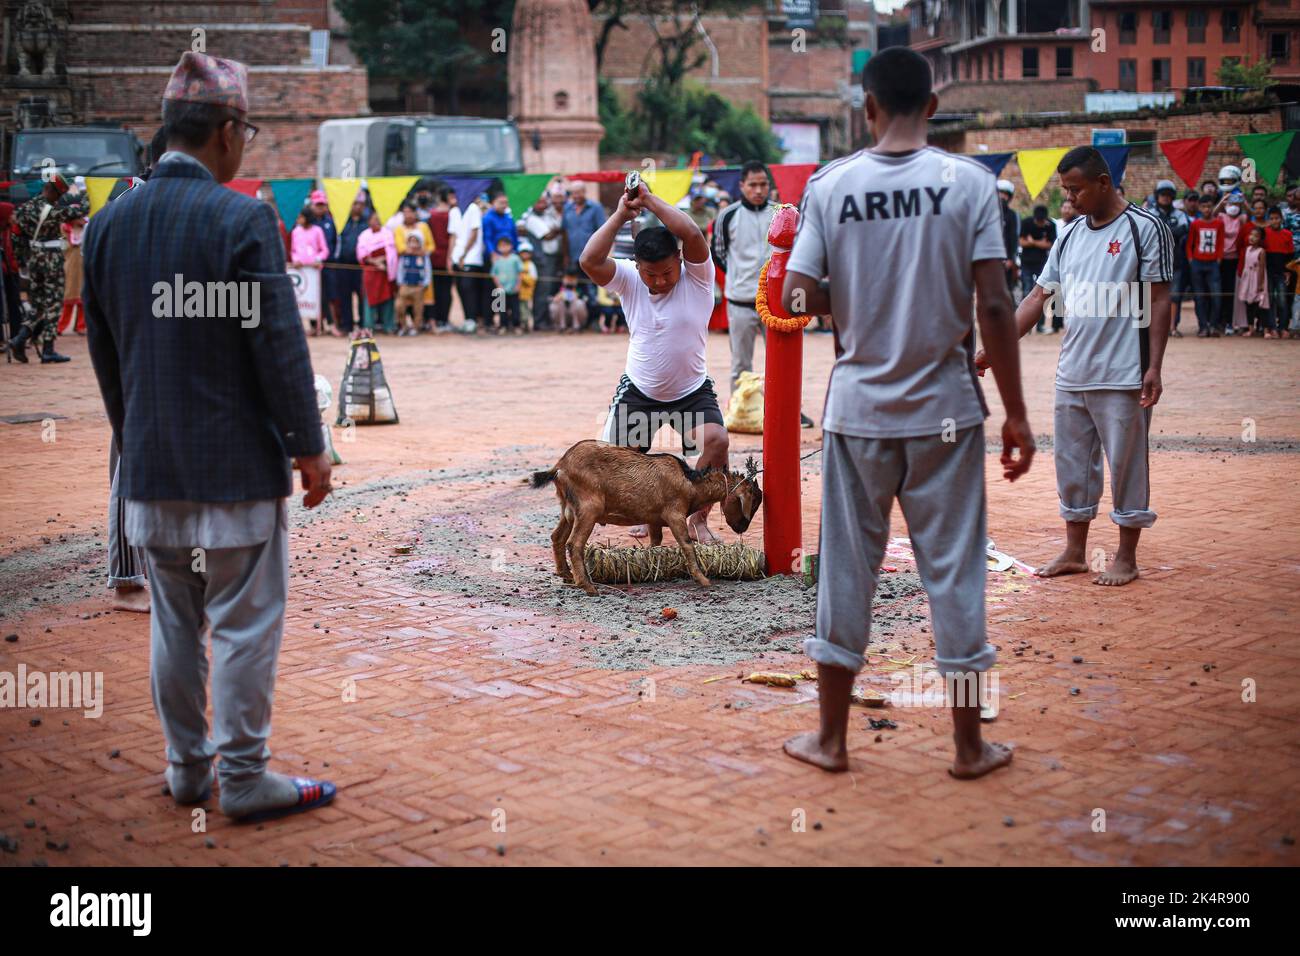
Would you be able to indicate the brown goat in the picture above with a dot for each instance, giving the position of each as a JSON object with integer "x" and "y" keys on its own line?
{"x": 599, "y": 483}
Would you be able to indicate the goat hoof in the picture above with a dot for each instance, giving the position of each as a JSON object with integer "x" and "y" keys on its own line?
{"x": 704, "y": 582}
{"x": 590, "y": 589}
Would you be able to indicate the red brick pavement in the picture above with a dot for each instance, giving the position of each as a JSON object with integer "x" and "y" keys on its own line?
{"x": 471, "y": 714}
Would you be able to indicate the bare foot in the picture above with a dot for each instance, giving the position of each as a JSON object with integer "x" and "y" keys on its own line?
{"x": 1120, "y": 572}
{"x": 638, "y": 531}
{"x": 698, "y": 530}
{"x": 131, "y": 599}
{"x": 991, "y": 757}
{"x": 1064, "y": 563}
{"x": 807, "y": 747}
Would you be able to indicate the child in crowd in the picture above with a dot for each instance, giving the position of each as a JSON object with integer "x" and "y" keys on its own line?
{"x": 506, "y": 270}
{"x": 74, "y": 313}
{"x": 1279, "y": 249}
{"x": 609, "y": 311}
{"x": 527, "y": 284}
{"x": 413, "y": 277}
{"x": 1253, "y": 284}
{"x": 568, "y": 309}
{"x": 1205, "y": 241}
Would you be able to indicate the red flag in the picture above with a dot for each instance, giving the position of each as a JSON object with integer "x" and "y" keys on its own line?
{"x": 248, "y": 187}
{"x": 1187, "y": 156}
{"x": 790, "y": 180}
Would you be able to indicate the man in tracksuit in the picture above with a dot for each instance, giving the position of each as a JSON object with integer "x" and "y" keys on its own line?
{"x": 740, "y": 249}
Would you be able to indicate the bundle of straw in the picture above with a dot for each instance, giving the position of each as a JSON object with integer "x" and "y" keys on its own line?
{"x": 731, "y": 562}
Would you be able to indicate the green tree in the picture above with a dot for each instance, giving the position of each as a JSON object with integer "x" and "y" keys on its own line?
{"x": 425, "y": 42}
{"x": 1255, "y": 76}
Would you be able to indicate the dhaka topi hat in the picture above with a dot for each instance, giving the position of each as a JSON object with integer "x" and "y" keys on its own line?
{"x": 199, "y": 78}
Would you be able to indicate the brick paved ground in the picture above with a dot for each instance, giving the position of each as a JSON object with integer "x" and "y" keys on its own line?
{"x": 471, "y": 712}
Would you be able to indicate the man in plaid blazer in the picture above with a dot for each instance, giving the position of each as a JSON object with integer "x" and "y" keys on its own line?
{"x": 203, "y": 365}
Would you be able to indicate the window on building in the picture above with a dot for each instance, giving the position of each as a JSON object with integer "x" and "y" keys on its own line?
{"x": 1196, "y": 20}
{"x": 1231, "y": 21}
{"x": 320, "y": 48}
{"x": 1143, "y": 143}
{"x": 1128, "y": 75}
{"x": 561, "y": 100}
{"x": 1196, "y": 71}
{"x": 1279, "y": 47}
{"x": 1160, "y": 74}
{"x": 1064, "y": 61}
{"x": 1128, "y": 27}
{"x": 1029, "y": 62}
{"x": 1162, "y": 24}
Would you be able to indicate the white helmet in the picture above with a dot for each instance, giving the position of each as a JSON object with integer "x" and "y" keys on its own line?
{"x": 1230, "y": 172}
{"x": 1005, "y": 186}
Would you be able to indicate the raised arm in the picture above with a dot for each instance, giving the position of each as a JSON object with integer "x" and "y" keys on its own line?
{"x": 595, "y": 258}
{"x": 695, "y": 248}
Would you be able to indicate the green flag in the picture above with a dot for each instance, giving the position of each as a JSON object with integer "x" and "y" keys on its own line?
{"x": 290, "y": 195}
{"x": 1267, "y": 151}
{"x": 522, "y": 190}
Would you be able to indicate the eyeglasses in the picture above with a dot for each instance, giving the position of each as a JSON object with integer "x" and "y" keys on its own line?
{"x": 250, "y": 130}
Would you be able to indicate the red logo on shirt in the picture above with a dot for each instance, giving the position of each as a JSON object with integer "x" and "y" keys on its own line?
{"x": 1113, "y": 248}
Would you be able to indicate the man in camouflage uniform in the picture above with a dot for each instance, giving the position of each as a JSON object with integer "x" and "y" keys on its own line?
{"x": 40, "y": 221}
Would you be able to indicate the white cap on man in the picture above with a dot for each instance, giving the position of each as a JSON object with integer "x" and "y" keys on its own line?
{"x": 1006, "y": 186}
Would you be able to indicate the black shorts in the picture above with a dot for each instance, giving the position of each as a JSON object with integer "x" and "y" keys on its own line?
{"x": 635, "y": 418}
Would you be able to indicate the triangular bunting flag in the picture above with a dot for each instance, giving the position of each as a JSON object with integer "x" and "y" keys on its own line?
{"x": 670, "y": 185}
{"x": 248, "y": 187}
{"x": 1037, "y": 166}
{"x": 340, "y": 193}
{"x": 98, "y": 189}
{"x": 791, "y": 179}
{"x": 1266, "y": 151}
{"x": 1187, "y": 156}
{"x": 522, "y": 190}
{"x": 996, "y": 162}
{"x": 290, "y": 194}
{"x": 727, "y": 178}
{"x": 1116, "y": 158}
{"x": 466, "y": 188}
{"x": 387, "y": 193}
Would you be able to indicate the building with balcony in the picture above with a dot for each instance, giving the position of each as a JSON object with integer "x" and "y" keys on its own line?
{"x": 1042, "y": 56}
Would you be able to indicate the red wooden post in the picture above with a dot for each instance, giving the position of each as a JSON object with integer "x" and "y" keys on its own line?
{"x": 782, "y": 396}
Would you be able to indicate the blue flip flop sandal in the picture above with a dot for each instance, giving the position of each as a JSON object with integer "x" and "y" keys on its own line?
{"x": 311, "y": 794}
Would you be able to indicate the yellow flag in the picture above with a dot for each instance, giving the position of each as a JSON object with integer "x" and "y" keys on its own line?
{"x": 340, "y": 193}
{"x": 670, "y": 185}
{"x": 98, "y": 189}
{"x": 387, "y": 192}
{"x": 1037, "y": 166}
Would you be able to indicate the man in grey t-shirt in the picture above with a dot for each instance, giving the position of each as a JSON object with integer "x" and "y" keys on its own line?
{"x": 1108, "y": 274}
{"x": 904, "y": 233}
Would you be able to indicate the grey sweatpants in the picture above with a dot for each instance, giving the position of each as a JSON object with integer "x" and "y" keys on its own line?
{"x": 241, "y": 595}
{"x": 1089, "y": 424}
{"x": 743, "y": 328}
{"x": 125, "y": 560}
{"x": 940, "y": 487}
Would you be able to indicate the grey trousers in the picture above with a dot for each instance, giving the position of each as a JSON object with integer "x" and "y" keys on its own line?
{"x": 125, "y": 560}
{"x": 241, "y": 596}
{"x": 940, "y": 487}
{"x": 743, "y": 328}
{"x": 1088, "y": 424}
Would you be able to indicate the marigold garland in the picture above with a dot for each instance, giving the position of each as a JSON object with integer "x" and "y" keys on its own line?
{"x": 793, "y": 324}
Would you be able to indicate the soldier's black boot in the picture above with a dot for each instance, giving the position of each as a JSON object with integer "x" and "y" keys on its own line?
{"x": 17, "y": 346}
{"x": 49, "y": 355}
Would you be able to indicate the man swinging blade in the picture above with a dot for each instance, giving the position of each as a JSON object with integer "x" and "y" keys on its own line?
{"x": 904, "y": 416}
{"x": 667, "y": 296}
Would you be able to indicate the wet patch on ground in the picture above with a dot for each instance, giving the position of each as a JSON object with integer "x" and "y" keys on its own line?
{"x": 497, "y": 550}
